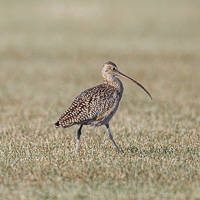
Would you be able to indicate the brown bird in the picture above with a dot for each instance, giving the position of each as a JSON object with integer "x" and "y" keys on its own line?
{"x": 97, "y": 105}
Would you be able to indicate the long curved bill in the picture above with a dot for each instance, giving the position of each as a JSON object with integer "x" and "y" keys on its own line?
{"x": 140, "y": 85}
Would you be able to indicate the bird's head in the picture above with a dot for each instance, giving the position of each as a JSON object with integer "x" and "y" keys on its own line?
{"x": 110, "y": 70}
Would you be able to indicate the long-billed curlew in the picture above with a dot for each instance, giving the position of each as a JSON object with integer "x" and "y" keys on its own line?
{"x": 97, "y": 105}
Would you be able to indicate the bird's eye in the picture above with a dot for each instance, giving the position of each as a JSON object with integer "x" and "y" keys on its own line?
{"x": 114, "y": 68}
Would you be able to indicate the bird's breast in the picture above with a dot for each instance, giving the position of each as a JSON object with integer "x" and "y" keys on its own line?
{"x": 105, "y": 117}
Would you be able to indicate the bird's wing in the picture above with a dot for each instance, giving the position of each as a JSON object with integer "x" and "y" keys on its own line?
{"x": 89, "y": 105}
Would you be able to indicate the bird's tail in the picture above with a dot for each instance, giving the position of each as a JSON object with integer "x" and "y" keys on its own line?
{"x": 57, "y": 124}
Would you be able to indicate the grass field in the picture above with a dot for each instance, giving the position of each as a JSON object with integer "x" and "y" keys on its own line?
{"x": 50, "y": 51}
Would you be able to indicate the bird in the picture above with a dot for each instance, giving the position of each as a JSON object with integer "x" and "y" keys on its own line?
{"x": 97, "y": 105}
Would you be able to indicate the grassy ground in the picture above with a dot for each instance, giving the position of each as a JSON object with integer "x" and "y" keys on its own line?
{"x": 50, "y": 51}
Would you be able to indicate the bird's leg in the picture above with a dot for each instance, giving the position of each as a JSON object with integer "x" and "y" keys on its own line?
{"x": 78, "y": 137}
{"x": 111, "y": 137}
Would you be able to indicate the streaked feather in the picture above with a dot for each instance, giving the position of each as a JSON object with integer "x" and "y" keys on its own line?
{"x": 90, "y": 105}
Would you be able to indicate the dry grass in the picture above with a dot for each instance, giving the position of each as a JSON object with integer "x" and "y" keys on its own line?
{"x": 52, "y": 50}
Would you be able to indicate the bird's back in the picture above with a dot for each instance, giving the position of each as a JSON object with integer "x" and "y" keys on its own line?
{"x": 91, "y": 107}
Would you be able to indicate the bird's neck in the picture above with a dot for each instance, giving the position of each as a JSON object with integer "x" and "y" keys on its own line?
{"x": 115, "y": 82}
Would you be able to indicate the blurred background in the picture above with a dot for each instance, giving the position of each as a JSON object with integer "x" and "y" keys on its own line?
{"x": 52, "y": 50}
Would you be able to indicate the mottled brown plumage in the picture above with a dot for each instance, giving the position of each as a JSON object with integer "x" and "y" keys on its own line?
{"x": 97, "y": 105}
{"x": 88, "y": 107}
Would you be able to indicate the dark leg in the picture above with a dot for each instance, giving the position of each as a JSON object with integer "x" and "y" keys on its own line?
{"x": 78, "y": 137}
{"x": 111, "y": 137}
